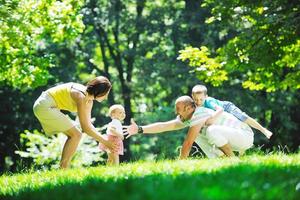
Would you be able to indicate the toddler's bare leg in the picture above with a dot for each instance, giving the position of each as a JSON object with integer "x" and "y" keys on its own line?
{"x": 113, "y": 159}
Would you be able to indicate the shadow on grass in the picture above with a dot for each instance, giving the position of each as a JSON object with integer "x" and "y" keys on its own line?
{"x": 238, "y": 182}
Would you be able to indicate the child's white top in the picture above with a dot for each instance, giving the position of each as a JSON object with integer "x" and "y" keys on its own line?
{"x": 115, "y": 124}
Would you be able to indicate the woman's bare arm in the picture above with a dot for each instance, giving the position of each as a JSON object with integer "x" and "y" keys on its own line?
{"x": 84, "y": 114}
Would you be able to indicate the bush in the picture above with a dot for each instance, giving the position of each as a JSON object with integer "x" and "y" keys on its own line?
{"x": 45, "y": 151}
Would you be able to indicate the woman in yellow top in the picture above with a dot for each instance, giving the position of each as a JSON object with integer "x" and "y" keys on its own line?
{"x": 72, "y": 97}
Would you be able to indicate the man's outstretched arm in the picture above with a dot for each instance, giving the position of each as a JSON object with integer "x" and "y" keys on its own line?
{"x": 157, "y": 127}
{"x": 160, "y": 127}
{"x": 189, "y": 140}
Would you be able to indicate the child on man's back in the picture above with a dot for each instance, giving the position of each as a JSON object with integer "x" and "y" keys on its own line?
{"x": 199, "y": 94}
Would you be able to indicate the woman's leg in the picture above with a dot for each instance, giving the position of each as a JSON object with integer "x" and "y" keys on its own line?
{"x": 74, "y": 136}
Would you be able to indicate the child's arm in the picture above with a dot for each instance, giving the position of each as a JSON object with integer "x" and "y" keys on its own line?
{"x": 218, "y": 111}
{"x": 114, "y": 131}
{"x": 213, "y": 104}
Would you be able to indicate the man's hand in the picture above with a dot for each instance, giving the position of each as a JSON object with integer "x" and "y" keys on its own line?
{"x": 131, "y": 130}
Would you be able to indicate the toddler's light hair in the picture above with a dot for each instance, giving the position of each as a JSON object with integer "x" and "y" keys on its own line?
{"x": 199, "y": 88}
{"x": 113, "y": 108}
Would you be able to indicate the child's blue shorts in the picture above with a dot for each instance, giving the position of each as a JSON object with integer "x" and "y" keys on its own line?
{"x": 234, "y": 110}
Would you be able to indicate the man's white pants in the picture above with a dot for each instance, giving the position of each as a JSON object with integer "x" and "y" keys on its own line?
{"x": 217, "y": 136}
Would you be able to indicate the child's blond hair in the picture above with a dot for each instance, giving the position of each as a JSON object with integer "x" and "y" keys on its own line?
{"x": 113, "y": 108}
{"x": 199, "y": 88}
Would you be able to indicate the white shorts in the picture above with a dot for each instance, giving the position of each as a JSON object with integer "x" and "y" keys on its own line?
{"x": 51, "y": 118}
{"x": 217, "y": 136}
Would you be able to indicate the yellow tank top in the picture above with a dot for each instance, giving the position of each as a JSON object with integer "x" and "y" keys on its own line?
{"x": 62, "y": 97}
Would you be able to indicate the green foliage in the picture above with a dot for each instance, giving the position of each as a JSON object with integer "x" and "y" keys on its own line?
{"x": 262, "y": 50}
{"x": 45, "y": 152}
{"x": 207, "y": 69}
{"x": 126, "y": 45}
{"x": 251, "y": 177}
{"x": 28, "y": 28}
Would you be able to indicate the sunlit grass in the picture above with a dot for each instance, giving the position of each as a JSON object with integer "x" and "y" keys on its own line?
{"x": 251, "y": 177}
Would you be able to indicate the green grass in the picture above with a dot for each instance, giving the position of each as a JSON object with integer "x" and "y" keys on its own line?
{"x": 251, "y": 177}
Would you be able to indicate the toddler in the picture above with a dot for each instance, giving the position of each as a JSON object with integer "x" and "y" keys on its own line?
{"x": 114, "y": 134}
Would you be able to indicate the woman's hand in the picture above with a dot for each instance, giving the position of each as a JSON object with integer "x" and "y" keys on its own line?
{"x": 112, "y": 147}
{"x": 121, "y": 137}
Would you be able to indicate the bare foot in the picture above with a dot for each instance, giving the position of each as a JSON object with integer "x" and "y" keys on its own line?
{"x": 267, "y": 133}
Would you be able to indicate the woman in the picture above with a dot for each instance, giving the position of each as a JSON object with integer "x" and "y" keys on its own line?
{"x": 72, "y": 97}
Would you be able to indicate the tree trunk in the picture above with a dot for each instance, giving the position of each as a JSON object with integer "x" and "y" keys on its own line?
{"x": 195, "y": 18}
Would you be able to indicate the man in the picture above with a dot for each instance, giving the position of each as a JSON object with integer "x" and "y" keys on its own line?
{"x": 221, "y": 132}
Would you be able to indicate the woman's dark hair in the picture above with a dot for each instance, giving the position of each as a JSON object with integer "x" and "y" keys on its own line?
{"x": 99, "y": 86}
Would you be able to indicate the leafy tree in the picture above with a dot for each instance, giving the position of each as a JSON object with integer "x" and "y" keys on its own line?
{"x": 135, "y": 44}
{"x": 27, "y": 30}
{"x": 263, "y": 45}
{"x": 45, "y": 151}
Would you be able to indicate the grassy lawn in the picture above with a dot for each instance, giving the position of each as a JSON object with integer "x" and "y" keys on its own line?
{"x": 250, "y": 177}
